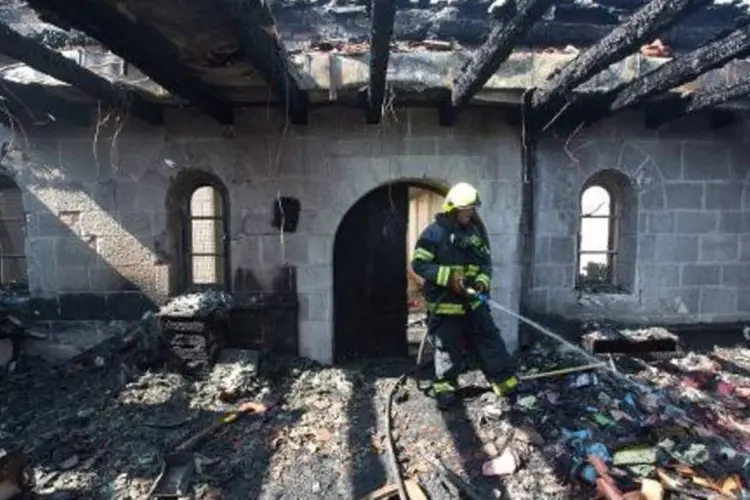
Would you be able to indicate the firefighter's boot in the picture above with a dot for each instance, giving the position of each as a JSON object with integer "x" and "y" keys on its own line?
{"x": 445, "y": 394}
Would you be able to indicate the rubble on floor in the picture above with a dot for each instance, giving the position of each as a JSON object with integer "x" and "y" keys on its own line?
{"x": 108, "y": 427}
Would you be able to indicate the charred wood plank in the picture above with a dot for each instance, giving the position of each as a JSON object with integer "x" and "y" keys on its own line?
{"x": 701, "y": 100}
{"x": 56, "y": 65}
{"x": 383, "y": 16}
{"x": 27, "y": 102}
{"x": 488, "y": 58}
{"x": 259, "y": 39}
{"x": 684, "y": 68}
{"x": 141, "y": 45}
{"x": 649, "y": 20}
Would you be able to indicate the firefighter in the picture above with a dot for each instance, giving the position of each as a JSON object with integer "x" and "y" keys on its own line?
{"x": 453, "y": 256}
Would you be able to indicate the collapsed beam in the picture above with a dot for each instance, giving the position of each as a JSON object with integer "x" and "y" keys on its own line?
{"x": 56, "y": 65}
{"x": 256, "y": 31}
{"x": 649, "y": 20}
{"x": 488, "y": 58}
{"x": 383, "y": 16}
{"x": 684, "y": 68}
{"x": 698, "y": 101}
{"x": 141, "y": 45}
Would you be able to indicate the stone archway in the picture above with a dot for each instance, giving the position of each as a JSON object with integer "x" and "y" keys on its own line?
{"x": 370, "y": 273}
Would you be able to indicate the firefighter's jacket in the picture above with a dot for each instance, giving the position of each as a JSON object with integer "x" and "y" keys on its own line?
{"x": 443, "y": 248}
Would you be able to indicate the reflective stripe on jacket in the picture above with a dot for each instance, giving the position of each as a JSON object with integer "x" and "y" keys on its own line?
{"x": 445, "y": 248}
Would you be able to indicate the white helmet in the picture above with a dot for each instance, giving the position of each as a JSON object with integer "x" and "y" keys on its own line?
{"x": 461, "y": 196}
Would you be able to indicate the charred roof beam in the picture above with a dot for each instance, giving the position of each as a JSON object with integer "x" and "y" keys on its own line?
{"x": 701, "y": 100}
{"x": 259, "y": 39}
{"x": 684, "y": 69}
{"x": 639, "y": 28}
{"x": 519, "y": 16}
{"x": 141, "y": 45}
{"x": 33, "y": 100}
{"x": 383, "y": 17}
{"x": 56, "y": 65}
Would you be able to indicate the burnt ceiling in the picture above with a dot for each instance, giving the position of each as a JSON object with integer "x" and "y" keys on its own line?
{"x": 213, "y": 53}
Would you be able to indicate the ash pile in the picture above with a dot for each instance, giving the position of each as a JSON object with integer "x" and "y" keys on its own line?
{"x": 195, "y": 326}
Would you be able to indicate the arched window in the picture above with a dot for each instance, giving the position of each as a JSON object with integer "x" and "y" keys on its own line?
{"x": 12, "y": 233}
{"x": 198, "y": 209}
{"x": 606, "y": 238}
{"x": 596, "y": 250}
{"x": 206, "y": 226}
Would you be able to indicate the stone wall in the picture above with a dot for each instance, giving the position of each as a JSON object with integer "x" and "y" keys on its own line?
{"x": 98, "y": 242}
{"x": 692, "y": 234}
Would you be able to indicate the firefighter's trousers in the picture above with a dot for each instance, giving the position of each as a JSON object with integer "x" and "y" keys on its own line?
{"x": 484, "y": 336}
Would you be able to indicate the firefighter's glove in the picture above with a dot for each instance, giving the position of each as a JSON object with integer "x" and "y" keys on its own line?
{"x": 456, "y": 284}
{"x": 480, "y": 287}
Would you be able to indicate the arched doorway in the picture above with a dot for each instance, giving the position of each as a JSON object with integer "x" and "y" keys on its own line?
{"x": 371, "y": 282}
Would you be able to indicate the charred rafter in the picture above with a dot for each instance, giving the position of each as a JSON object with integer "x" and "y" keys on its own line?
{"x": 499, "y": 45}
{"x": 383, "y": 16}
{"x": 256, "y": 31}
{"x": 60, "y": 67}
{"x": 140, "y": 44}
{"x": 34, "y": 100}
{"x": 701, "y": 100}
{"x": 684, "y": 68}
{"x": 649, "y": 20}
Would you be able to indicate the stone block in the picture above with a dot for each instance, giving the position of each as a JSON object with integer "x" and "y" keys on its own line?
{"x": 73, "y": 279}
{"x": 719, "y": 248}
{"x": 276, "y": 251}
{"x": 718, "y": 300}
{"x": 702, "y": 161}
{"x": 744, "y": 254}
{"x": 316, "y": 306}
{"x": 659, "y": 275}
{"x": 684, "y": 195}
{"x": 737, "y": 274}
{"x": 553, "y": 276}
{"x": 646, "y": 248}
{"x": 743, "y": 302}
{"x": 126, "y": 193}
{"x": 732, "y": 222}
{"x": 46, "y": 225}
{"x": 76, "y": 252}
{"x": 695, "y": 222}
{"x": 681, "y": 301}
{"x": 312, "y": 278}
{"x": 660, "y": 222}
{"x": 83, "y": 306}
{"x": 723, "y": 196}
{"x": 562, "y": 250}
{"x": 701, "y": 274}
{"x": 319, "y": 249}
{"x": 138, "y": 224}
{"x": 124, "y": 250}
{"x": 651, "y": 199}
{"x": 676, "y": 248}
{"x": 537, "y": 301}
{"x": 316, "y": 341}
{"x": 555, "y": 223}
{"x": 107, "y": 278}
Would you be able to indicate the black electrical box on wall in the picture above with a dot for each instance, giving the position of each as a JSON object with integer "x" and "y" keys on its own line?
{"x": 286, "y": 213}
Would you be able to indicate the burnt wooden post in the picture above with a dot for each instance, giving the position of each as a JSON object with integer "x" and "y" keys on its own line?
{"x": 383, "y": 16}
